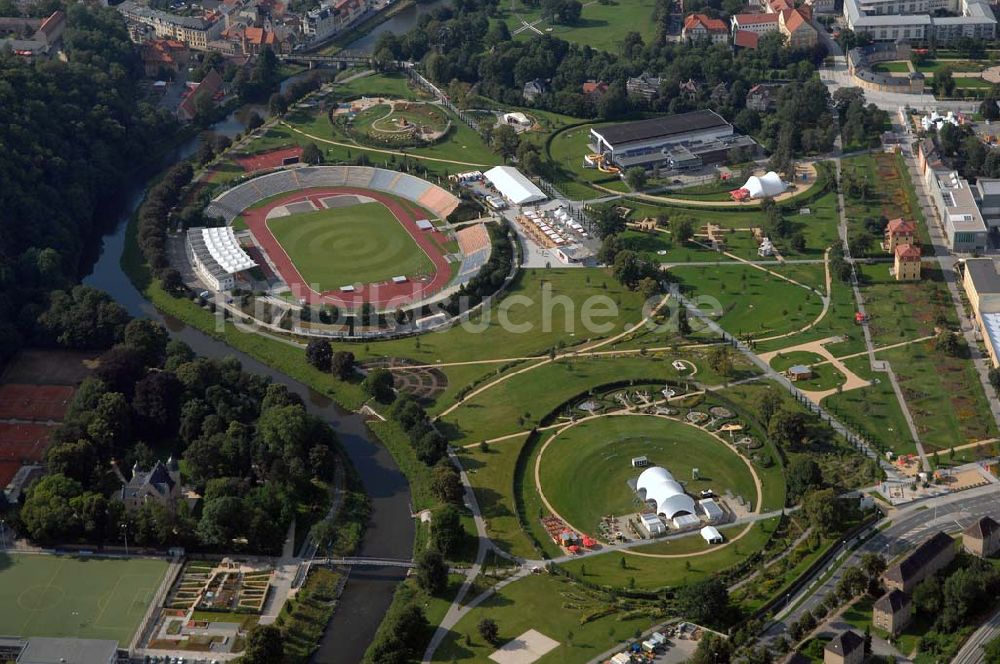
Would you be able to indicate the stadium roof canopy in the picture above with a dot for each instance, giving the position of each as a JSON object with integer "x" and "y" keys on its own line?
{"x": 514, "y": 185}
{"x": 226, "y": 250}
{"x": 766, "y": 185}
{"x": 661, "y": 488}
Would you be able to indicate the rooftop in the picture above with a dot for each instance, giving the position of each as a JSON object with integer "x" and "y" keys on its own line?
{"x": 983, "y": 528}
{"x": 892, "y": 602}
{"x": 68, "y": 651}
{"x": 670, "y": 125}
{"x": 907, "y": 251}
{"x": 703, "y": 20}
{"x": 914, "y": 563}
{"x": 845, "y": 643}
{"x": 984, "y": 274}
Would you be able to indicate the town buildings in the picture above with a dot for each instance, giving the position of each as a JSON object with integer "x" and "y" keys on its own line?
{"x": 892, "y": 612}
{"x": 982, "y": 538}
{"x": 931, "y": 556}
{"x": 920, "y": 20}
{"x": 677, "y": 142}
{"x": 845, "y": 648}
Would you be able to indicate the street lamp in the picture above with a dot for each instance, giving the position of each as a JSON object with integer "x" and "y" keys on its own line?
{"x": 125, "y": 535}
{"x": 3, "y": 534}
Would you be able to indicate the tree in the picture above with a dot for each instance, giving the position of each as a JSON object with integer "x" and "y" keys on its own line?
{"x": 83, "y": 317}
{"x": 47, "y": 514}
{"x": 432, "y": 572}
{"x": 682, "y": 229}
{"x": 277, "y": 104}
{"x": 803, "y": 475}
{"x": 627, "y": 268}
{"x": 342, "y": 364}
{"x": 768, "y": 403}
{"x": 446, "y": 483}
{"x": 319, "y": 354}
{"x": 311, "y": 154}
{"x": 995, "y": 379}
{"x": 873, "y": 564}
{"x": 608, "y": 222}
{"x": 927, "y": 596}
{"x": 989, "y": 109}
{"x": 712, "y": 649}
{"x": 636, "y": 177}
{"x": 148, "y": 339}
{"x": 720, "y": 359}
{"x": 157, "y": 404}
{"x": 505, "y": 141}
{"x": 944, "y": 82}
{"x": 410, "y": 629}
{"x": 264, "y": 645}
{"x": 378, "y": 385}
{"x": 789, "y": 427}
{"x": 822, "y": 510}
{"x": 991, "y": 652}
{"x": 119, "y": 368}
{"x": 852, "y": 583}
{"x": 489, "y": 630}
{"x": 447, "y": 532}
{"x": 704, "y": 602}
{"x": 222, "y": 521}
{"x": 947, "y": 342}
{"x": 648, "y": 288}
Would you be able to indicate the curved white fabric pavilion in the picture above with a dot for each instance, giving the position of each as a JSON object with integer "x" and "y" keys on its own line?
{"x": 762, "y": 186}
{"x": 660, "y": 487}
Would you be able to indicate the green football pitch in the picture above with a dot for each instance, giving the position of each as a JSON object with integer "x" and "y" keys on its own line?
{"x": 361, "y": 243}
{"x": 66, "y": 596}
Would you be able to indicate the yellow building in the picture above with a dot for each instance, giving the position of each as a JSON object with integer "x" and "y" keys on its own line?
{"x": 981, "y": 281}
{"x": 899, "y": 231}
{"x": 891, "y": 612}
{"x": 907, "y": 264}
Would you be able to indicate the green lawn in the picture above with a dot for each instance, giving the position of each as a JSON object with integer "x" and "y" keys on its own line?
{"x": 749, "y": 301}
{"x": 492, "y": 475}
{"x": 65, "y": 596}
{"x": 358, "y": 244}
{"x": 551, "y": 605}
{"x": 898, "y": 67}
{"x": 604, "y": 26}
{"x": 585, "y": 470}
{"x": 932, "y": 66}
{"x": 825, "y": 376}
{"x": 649, "y": 573}
{"x": 873, "y": 411}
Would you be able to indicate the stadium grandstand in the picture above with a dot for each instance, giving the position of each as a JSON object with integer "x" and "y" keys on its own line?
{"x": 232, "y": 202}
{"x": 217, "y": 256}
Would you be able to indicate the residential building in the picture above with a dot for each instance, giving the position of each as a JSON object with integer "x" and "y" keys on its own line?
{"x": 160, "y": 55}
{"x": 252, "y": 40}
{"x": 822, "y": 6}
{"x": 160, "y": 484}
{"x": 688, "y": 89}
{"x": 923, "y": 562}
{"x": 906, "y": 264}
{"x": 982, "y": 538}
{"x": 594, "y": 90}
{"x": 31, "y": 37}
{"x": 892, "y": 612}
{"x": 534, "y": 88}
{"x": 677, "y": 142}
{"x": 763, "y": 97}
{"x": 700, "y": 27}
{"x": 644, "y": 85}
{"x": 798, "y": 30}
{"x": 206, "y": 93}
{"x": 955, "y": 204}
{"x": 920, "y": 20}
{"x": 195, "y": 31}
{"x": 928, "y": 155}
{"x": 899, "y": 231}
{"x": 745, "y": 39}
{"x": 845, "y": 648}
{"x": 760, "y": 24}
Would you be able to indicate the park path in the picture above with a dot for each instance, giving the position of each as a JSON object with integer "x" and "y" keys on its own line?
{"x": 355, "y": 146}
{"x": 852, "y": 382}
{"x": 572, "y": 353}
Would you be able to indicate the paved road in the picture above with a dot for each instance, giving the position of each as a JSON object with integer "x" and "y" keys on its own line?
{"x": 972, "y": 651}
{"x": 907, "y": 528}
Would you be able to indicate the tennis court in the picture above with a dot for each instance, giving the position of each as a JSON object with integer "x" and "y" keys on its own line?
{"x": 69, "y": 596}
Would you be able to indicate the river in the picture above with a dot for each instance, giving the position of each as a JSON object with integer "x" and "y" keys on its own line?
{"x": 391, "y": 529}
{"x": 399, "y": 24}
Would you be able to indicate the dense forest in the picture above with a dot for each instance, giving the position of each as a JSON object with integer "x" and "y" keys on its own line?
{"x": 72, "y": 134}
{"x": 246, "y": 445}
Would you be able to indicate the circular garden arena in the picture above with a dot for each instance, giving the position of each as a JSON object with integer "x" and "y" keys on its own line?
{"x": 351, "y": 235}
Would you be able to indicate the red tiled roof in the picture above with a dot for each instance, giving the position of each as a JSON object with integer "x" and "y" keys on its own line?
{"x": 907, "y": 251}
{"x": 258, "y": 36}
{"x": 49, "y": 24}
{"x": 746, "y": 39}
{"x": 590, "y": 87}
{"x": 794, "y": 20}
{"x": 710, "y": 24}
{"x": 755, "y": 19}
{"x": 901, "y": 226}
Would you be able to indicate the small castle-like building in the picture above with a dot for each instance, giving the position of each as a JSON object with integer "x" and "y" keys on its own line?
{"x": 161, "y": 484}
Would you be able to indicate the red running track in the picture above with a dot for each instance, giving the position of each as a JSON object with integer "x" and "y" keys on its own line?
{"x": 268, "y": 160}
{"x": 383, "y": 296}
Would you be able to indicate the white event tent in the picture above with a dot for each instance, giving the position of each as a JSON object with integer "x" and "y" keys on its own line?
{"x": 514, "y": 186}
{"x": 769, "y": 184}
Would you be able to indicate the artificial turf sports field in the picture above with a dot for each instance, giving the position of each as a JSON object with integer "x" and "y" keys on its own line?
{"x": 584, "y": 472}
{"x": 66, "y": 596}
{"x": 361, "y": 243}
